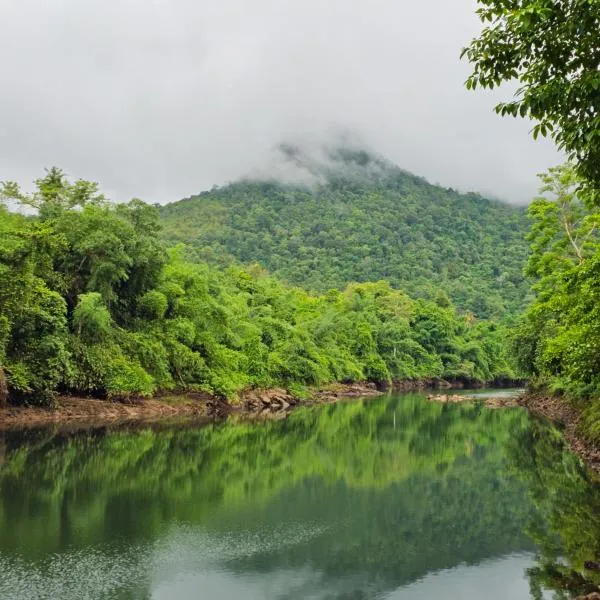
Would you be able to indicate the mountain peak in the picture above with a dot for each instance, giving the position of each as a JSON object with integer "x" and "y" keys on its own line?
{"x": 353, "y": 216}
{"x": 312, "y": 165}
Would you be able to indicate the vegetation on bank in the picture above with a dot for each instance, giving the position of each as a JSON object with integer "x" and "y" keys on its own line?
{"x": 558, "y": 339}
{"x": 93, "y": 303}
{"x": 363, "y": 220}
{"x": 552, "y": 49}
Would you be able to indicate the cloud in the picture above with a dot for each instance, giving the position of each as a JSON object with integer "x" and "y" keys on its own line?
{"x": 162, "y": 99}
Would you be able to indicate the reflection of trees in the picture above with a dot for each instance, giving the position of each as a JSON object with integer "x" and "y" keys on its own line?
{"x": 394, "y": 488}
{"x": 566, "y": 527}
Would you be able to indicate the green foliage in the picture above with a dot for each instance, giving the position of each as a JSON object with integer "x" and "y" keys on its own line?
{"x": 153, "y": 305}
{"x": 107, "y": 370}
{"x": 33, "y": 324}
{"x": 91, "y": 318}
{"x": 92, "y": 303}
{"x": 367, "y": 221}
{"x": 558, "y": 340}
{"x": 552, "y": 49}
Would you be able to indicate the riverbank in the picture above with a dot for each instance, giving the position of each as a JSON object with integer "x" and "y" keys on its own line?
{"x": 489, "y": 402}
{"x": 272, "y": 403}
{"x": 72, "y": 410}
{"x": 561, "y": 412}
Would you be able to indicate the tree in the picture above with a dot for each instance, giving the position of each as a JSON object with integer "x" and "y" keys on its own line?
{"x": 565, "y": 229}
{"x": 91, "y": 318}
{"x": 53, "y": 193}
{"x": 553, "y": 49}
{"x": 559, "y": 337}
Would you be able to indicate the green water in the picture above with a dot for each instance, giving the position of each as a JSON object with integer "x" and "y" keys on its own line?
{"x": 395, "y": 498}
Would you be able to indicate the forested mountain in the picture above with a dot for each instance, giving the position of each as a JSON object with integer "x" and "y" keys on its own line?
{"x": 363, "y": 219}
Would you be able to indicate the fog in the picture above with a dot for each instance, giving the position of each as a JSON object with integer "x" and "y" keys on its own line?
{"x": 161, "y": 99}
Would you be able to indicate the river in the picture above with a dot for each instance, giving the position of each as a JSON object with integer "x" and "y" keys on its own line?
{"x": 388, "y": 498}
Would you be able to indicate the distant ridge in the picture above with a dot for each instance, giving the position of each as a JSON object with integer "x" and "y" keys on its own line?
{"x": 357, "y": 217}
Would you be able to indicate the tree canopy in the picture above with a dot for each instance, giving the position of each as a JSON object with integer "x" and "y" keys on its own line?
{"x": 92, "y": 302}
{"x": 553, "y": 50}
{"x": 558, "y": 340}
{"x": 363, "y": 220}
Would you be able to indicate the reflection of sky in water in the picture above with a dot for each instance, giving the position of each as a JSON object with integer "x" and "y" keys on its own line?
{"x": 498, "y": 579}
{"x": 188, "y": 563}
{"x": 110, "y": 572}
{"x": 488, "y": 393}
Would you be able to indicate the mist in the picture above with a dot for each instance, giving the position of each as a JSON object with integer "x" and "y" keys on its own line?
{"x": 163, "y": 99}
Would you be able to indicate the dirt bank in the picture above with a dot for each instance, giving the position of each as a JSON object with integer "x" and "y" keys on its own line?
{"x": 89, "y": 411}
{"x": 271, "y": 403}
{"x": 565, "y": 416}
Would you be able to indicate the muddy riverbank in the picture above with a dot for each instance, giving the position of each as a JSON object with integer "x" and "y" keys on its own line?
{"x": 80, "y": 411}
{"x": 568, "y": 419}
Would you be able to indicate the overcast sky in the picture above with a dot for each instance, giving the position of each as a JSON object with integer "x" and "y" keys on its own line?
{"x": 161, "y": 99}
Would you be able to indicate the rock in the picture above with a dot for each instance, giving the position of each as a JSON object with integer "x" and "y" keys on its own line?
{"x": 263, "y": 401}
{"x": 448, "y": 398}
{"x": 592, "y": 596}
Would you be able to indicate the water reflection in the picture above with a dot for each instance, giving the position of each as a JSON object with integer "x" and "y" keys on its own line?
{"x": 566, "y": 522}
{"x": 387, "y": 498}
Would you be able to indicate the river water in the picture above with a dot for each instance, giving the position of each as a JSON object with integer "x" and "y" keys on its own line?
{"x": 388, "y": 498}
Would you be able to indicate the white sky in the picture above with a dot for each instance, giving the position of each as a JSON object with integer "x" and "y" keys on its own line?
{"x": 161, "y": 99}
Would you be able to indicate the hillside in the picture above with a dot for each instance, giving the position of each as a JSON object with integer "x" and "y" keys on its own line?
{"x": 363, "y": 219}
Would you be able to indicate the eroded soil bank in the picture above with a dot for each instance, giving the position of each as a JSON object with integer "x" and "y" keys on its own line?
{"x": 566, "y": 417}
{"x": 93, "y": 412}
{"x": 273, "y": 403}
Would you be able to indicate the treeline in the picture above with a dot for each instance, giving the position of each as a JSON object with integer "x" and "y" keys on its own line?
{"x": 558, "y": 340}
{"x": 552, "y": 50}
{"x": 93, "y": 303}
{"x": 365, "y": 220}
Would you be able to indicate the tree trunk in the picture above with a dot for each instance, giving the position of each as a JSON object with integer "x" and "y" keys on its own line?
{"x": 3, "y": 388}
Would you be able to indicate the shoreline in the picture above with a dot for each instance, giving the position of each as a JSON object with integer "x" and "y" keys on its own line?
{"x": 82, "y": 412}
{"x": 75, "y": 413}
{"x": 93, "y": 412}
{"x": 568, "y": 419}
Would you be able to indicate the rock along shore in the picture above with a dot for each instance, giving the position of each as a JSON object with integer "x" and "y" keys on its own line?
{"x": 561, "y": 412}
{"x": 81, "y": 412}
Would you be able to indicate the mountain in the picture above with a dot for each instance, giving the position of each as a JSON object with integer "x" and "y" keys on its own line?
{"x": 358, "y": 217}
